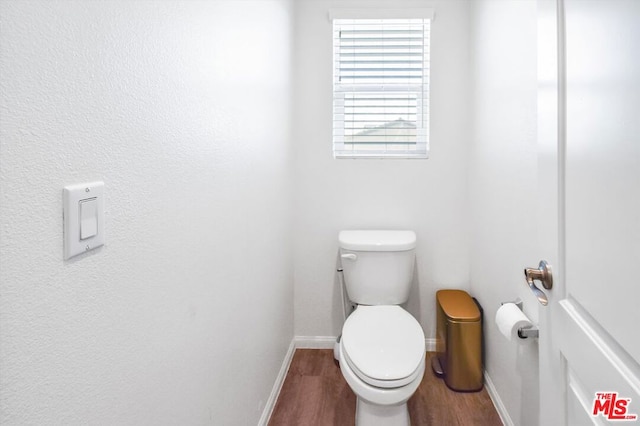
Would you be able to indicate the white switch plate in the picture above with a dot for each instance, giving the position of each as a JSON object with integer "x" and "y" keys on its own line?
{"x": 73, "y": 196}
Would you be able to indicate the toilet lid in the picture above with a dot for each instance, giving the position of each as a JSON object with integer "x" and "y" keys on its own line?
{"x": 383, "y": 342}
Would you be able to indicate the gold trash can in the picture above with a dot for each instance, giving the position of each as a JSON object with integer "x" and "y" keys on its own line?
{"x": 458, "y": 341}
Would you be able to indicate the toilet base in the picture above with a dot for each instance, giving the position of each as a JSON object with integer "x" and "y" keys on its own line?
{"x": 381, "y": 415}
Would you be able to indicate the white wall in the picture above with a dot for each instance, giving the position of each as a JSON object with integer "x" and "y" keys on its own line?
{"x": 182, "y": 108}
{"x": 166, "y": 324}
{"x": 428, "y": 196}
{"x": 503, "y": 179}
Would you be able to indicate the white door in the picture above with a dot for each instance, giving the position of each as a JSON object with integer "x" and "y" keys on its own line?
{"x": 589, "y": 210}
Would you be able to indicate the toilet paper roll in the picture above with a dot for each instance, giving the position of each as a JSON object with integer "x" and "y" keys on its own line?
{"x": 509, "y": 319}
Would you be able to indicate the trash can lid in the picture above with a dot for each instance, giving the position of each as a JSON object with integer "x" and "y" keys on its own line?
{"x": 458, "y": 305}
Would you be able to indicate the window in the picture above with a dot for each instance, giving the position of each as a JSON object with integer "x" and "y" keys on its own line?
{"x": 380, "y": 85}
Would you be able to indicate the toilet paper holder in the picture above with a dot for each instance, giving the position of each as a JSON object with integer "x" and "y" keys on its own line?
{"x": 525, "y": 332}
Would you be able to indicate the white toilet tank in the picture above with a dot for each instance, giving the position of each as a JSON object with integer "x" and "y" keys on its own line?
{"x": 377, "y": 265}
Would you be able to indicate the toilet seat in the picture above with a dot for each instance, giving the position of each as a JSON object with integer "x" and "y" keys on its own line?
{"x": 383, "y": 345}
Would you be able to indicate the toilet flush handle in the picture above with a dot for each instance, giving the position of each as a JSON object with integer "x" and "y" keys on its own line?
{"x": 349, "y": 256}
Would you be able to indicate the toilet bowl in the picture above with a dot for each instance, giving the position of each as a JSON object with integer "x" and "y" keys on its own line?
{"x": 382, "y": 347}
{"x": 382, "y": 358}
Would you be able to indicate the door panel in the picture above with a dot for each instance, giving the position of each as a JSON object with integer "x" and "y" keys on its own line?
{"x": 594, "y": 360}
{"x": 589, "y": 340}
{"x": 603, "y": 163}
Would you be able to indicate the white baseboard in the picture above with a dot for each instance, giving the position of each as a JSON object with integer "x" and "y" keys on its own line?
{"x": 327, "y": 342}
{"x": 314, "y": 342}
{"x": 277, "y": 386}
{"x": 430, "y": 344}
{"x": 497, "y": 402}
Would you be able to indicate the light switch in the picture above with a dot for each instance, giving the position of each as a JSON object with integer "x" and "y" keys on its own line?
{"x": 83, "y": 207}
{"x": 88, "y": 218}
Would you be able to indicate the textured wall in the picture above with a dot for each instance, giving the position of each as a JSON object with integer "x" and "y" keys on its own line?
{"x": 182, "y": 108}
{"x": 428, "y": 196}
{"x": 503, "y": 172}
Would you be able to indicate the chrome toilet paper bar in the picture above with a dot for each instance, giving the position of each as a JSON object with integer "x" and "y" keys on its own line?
{"x": 525, "y": 333}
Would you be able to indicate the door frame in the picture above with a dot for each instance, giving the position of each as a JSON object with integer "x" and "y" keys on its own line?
{"x": 550, "y": 205}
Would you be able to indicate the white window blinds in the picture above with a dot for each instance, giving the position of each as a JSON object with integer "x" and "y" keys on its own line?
{"x": 381, "y": 88}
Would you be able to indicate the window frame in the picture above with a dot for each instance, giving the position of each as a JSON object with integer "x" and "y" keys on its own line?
{"x": 388, "y": 148}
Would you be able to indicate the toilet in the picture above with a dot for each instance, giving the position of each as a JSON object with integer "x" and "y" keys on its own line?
{"x": 382, "y": 347}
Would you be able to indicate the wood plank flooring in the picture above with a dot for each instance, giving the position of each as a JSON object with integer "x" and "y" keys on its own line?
{"x": 315, "y": 393}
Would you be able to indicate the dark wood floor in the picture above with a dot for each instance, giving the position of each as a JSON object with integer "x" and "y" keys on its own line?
{"x": 315, "y": 393}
